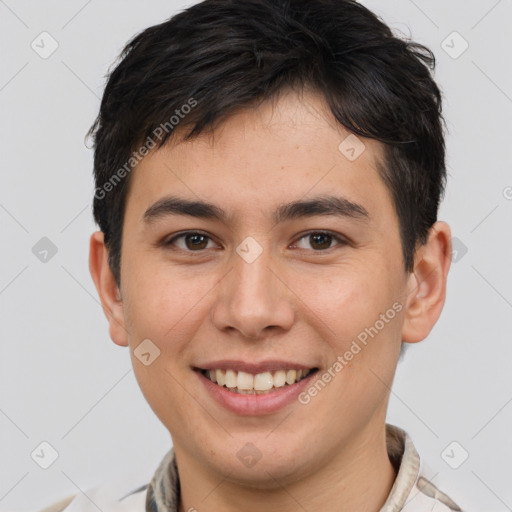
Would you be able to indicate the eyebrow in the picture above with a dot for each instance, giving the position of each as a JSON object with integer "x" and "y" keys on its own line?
{"x": 322, "y": 205}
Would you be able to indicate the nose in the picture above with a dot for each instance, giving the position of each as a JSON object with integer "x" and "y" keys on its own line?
{"x": 253, "y": 299}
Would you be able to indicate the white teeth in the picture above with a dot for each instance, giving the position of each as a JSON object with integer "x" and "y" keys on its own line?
{"x": 230, "y": 379}
{"x": 263, "y": 381}
{"x": 245, "y": 381}
{"x": 220, "y": 377}
{"x": 249, "y": 384}
{"x": 279, "y": 379}
{"x": 291, "y": 375}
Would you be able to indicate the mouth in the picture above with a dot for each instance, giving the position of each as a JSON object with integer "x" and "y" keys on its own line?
{"x": 264, "y": 383}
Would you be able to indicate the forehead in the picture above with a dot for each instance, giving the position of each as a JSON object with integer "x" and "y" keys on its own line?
{"x": 288, "y": 148}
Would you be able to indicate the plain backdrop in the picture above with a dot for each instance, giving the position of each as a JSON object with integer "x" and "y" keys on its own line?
{"x": 64, "y": 382}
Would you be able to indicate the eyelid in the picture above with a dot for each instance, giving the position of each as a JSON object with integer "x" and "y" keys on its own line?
{"x": 169, "y": 241}
{"x": 339, "y": 238}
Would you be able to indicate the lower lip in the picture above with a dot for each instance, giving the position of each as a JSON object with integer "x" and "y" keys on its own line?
{"x": 255, "y": 405}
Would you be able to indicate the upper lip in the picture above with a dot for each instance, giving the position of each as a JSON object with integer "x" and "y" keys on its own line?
{"x": 254, "y": 368}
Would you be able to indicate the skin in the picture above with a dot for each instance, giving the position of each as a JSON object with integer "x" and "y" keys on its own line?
{"x": 294, "y": 302}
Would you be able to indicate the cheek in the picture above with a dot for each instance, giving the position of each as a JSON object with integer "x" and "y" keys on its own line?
{"x": 348, "y": 308}
{"x": 160, "y": 302}
{"x": 347, "y": 299}
{"x": 165, "y": 309}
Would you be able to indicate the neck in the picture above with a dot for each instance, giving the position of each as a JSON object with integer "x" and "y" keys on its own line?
{"x": 359, "y": 477}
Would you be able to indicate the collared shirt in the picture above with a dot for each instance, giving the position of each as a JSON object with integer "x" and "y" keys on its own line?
{"x": 411, "y": 492}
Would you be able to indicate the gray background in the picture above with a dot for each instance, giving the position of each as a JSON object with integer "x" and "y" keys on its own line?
{"x": 64, "y": 382}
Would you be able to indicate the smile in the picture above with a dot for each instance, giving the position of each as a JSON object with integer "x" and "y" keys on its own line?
{"x": 255, "y": 384}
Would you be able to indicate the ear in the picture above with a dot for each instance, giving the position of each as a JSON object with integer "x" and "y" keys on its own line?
{"x": 108, "y": 290}
{"x": 427, "y": 284}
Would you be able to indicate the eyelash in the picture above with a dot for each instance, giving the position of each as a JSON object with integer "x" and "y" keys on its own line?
{"x": 341, "y": 241}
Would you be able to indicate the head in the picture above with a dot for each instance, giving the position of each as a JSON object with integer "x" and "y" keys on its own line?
{"x": 268, "y": 176}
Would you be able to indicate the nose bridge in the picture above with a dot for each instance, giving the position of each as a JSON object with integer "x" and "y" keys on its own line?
{"x": 254, "y": 282}
{"x": 251, "y": 298}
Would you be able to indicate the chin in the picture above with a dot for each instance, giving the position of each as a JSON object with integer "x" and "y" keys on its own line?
{"x": 271, "y": 467}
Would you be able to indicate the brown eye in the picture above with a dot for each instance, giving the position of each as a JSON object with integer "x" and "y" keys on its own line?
{"x": 195, "y": 241}
{"x": 320, "y": 240}
{"x": 191, "y": 241}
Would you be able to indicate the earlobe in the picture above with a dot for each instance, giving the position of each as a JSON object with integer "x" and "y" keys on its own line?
{"x": 427, "y": 284}
{"x": 107, "y": 288}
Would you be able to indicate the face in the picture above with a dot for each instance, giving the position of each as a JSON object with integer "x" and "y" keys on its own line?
{"x": 294, "y": 262}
